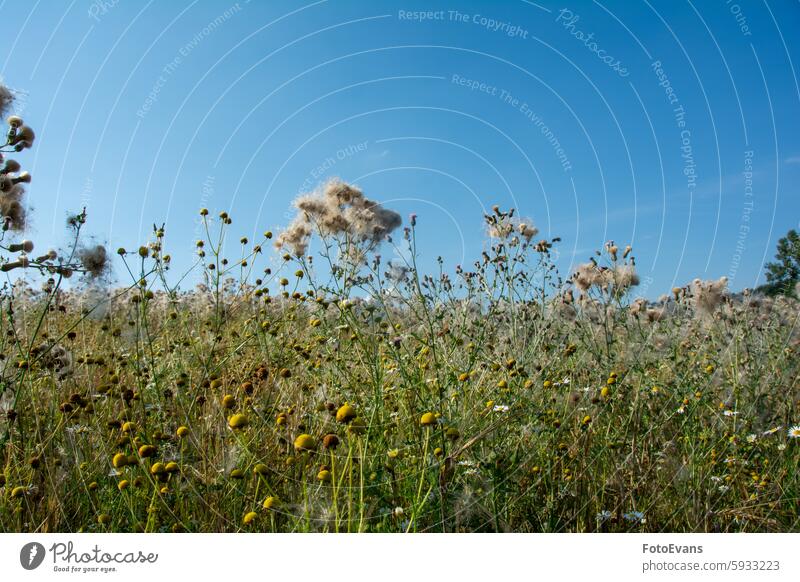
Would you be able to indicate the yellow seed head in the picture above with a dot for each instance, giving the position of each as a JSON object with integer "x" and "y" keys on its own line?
{"x": 428, "y": 419}
{"x": 345, "y": 414}
{"x": 119, "y": 460}
{"x": 249, "y": 517}
{"x": 237, "y": 421}
{"x": 305, "y": 442}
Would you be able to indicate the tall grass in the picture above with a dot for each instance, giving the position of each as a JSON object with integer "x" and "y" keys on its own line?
{"x": 341, "y": 393}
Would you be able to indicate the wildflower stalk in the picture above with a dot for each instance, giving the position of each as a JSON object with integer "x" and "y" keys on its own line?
{"x": 422, "y": 479}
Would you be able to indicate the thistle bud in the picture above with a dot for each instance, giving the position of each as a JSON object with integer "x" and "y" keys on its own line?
{"x": 25, "y": 246}
{"x": 50, "y": 256}
{"x": 23, "y": 178}
{"x": 10, "y": 167}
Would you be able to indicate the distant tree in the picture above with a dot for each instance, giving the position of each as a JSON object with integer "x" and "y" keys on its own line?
{"x": 784, "y": 273}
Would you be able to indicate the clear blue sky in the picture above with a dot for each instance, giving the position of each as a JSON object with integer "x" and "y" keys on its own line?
{"x": 146, "y": 111}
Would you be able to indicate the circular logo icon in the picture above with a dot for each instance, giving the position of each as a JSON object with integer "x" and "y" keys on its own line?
{"x": 31, "y": 555}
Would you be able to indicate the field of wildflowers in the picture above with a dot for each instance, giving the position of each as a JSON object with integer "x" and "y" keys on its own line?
{"x": 343, "y": 393}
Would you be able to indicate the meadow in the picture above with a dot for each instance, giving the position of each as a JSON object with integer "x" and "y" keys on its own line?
{"x": 343, "y": 392}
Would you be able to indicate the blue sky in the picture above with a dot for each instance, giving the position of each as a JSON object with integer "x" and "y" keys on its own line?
{"x": 672, "y": 126}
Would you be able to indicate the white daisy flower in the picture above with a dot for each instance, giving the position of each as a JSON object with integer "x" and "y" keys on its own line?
{"x": 794, "y": 432}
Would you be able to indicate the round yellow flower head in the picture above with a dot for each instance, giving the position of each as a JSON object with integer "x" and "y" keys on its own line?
{"x": 345, "y": 414}
{"x": 103, "y": 519}
{"x": 428, "y": 419}
{"x": 147, "y": 451}
{"x": 228, "y": 401}
{"x": 249, "y": 517}
{"x": 119, "y": 460}
{"x": 182, "y": 431}
{"x": 237, "y": 421}
{"x": 158, "y": 468}
{"x": 128, "y": 427}
{"x": 270, "y": 502}
{"x": 171, "y": 467}
{"x": 324, "y": 476}
{"x": 305, "y": 442}
{"x": 123, "y": 485}
{"x": 260, "y": 469}
{"x": 237, "y": 474}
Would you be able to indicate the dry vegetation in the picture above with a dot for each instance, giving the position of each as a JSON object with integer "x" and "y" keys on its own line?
{"x": 346, "y": 393}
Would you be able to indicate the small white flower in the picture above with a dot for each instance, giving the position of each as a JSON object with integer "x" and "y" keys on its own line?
{"x": 794, "y": 432}
{"x": 500, "y": 408}
{"x": 731, "y": 413}
{"x": 751, "y": 438}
